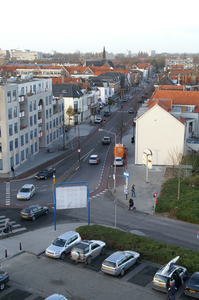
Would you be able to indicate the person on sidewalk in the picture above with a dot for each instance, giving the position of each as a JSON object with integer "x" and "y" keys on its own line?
{"x": 131, "y": 203}
{"x": 133, "y": 191}
{"x": 12, "y": 170}
{"x": 172, "y": 291}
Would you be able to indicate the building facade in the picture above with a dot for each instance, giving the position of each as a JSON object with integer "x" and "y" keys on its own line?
{"x": 30, "y": 118}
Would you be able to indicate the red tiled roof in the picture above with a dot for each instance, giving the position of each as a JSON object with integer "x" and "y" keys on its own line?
{"x": 171, "y": 87}
{"x": 160, "y": 103}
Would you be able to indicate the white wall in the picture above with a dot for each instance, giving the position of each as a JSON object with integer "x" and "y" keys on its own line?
{"x": 160, "y": 132}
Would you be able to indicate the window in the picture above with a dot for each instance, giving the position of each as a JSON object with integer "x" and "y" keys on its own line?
{"x": 11, "y": 145}
{"x": 31, "y": 123}
{"x": 15, "y": 111}
{"x": 50, "y": 112}
{"x": 30, "y": 106}
{"x": 54, "y": 123}
{"x": 62, "y": 106}
{"x": 46, "y": 100}
{"x": 54, "y": 135}
{"x": 35, "y": 119}
{"x": 46, "y": 126}
{"x": 59, "y": 107}
{"x": 17, "y": 158}
{"x": 50, "y": 99}
{"x": 51, "y": 137}
{"x": 35, "y": 132}
{"x": 14, "y": 95}
{"x": 10, "y": 130}
{"x": 31, "y": 134}
{"x": 46, "y": 114}
{"x": 31, "y": 149}
{"x": 47, "y": 139}
{"x": 8, "y": 96}
{"x": 15, "y": 127}
{"x": 26, "y": 153}
{"x": 57, "y": 121}
{"x": 36, "y": 147}
{"x": 34, "y": 105}
{"x": 0, "y": 131}
{"x": 1, "y": 164}
{"x": 22, "y": 155}
{"x": 34, "y": 88}
{"x": 0, "y": 148}
{"x": 50, "y": 124}
{"x": 26, "y": 138}
{"x": 9, "y": 113}
{"x": 22, "y": 140}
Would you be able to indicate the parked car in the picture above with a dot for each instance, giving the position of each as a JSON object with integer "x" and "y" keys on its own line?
{"x": 63, "y": 244}
{"x": 118, "y": 161}
{"x": 106, "y": 140}
{"x": 94, "y": 159}
{"x": 191, "y": 287}
{"x": 86, "y": 250}
{"x": 4, "y": 278}
{"x": 168, "y": 273}
{"x": 34, "y": 211}
{"x": 124, "y": 100}
{"x": 45, "y": 173}
{"x": 56, "y": 297}
{"x": 98, "y": 120}
{"x": 26, "y": 192}
{"x": 131, "y": 111}
{"x": 107, "y": 113}
{"x": 118, "y": 262}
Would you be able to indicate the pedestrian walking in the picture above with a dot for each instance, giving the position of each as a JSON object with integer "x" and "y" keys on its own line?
{"x": 13, "y": 171}
{"x": 133, "y": 191}
{"x": 172, "y": 291}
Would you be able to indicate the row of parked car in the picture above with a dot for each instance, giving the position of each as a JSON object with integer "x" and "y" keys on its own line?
{"x": 118, "y": 262}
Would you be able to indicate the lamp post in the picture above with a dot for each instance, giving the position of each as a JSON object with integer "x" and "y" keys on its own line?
{"x": 114, "y": 177}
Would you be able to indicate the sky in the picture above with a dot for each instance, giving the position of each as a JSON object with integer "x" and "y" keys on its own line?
{"x": 87, "y": 26}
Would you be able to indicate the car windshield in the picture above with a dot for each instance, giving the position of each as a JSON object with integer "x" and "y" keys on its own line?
{"x": 24, "y": 190}
{"x": 160, "y": 277}
{"x": 109, "y": 263}
{"x": 118, "y": 159}
{"x": 43, "y": 171}
{"x": 194, "y": 281}
{"x": 59, "y": 242}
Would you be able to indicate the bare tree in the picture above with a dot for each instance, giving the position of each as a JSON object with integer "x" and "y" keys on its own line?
{"x": 70, "y": 113}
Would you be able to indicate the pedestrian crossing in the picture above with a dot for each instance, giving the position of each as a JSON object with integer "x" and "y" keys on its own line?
{"x": 16, "y": 227}
{"x": 8, "y": 193}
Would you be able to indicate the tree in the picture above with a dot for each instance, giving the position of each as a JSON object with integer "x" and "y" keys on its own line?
{"x": 179, "y": 163}
{"x": 70, "y": 113}
{"x": 121, "y": 124}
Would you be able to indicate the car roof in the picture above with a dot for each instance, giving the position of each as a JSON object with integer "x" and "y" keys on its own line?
{"x": 67, "y": 235}
{"x": 169, "y": 272}
{"x": 55, "y": 297}
{"x": 115, "y": 256}
{"x": 94, "y": 155}
{"x": 27, "y": 185}
{"x": 106, "y": 137}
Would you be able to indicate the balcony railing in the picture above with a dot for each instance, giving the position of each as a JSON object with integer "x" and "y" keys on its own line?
{"x": 21, "y": 98}
{"x": 41, "y": 133}
{"x": 40, "y": 121}
{"x": 23, "y": 127}
{"x": 54, "y": 102}
{"x": 40, "y": 107}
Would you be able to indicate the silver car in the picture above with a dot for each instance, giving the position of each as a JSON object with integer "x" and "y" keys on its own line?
{"x": 56, "y": 297}
{"x": 167, "y": 274}
{"x": 86, "y": 250}
{"x": 63, "y": 244}
{"x": 118, "y": 262}
{"x": 26, "y": 192}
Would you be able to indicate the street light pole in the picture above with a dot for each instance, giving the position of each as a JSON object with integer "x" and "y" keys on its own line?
{"x": 114, "y": 177}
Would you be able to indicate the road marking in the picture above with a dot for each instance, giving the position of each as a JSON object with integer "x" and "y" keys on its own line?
{"x": 7, "y": 193}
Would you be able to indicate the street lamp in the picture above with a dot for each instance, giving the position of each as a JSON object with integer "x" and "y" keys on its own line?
{"x": 100, "y": 129}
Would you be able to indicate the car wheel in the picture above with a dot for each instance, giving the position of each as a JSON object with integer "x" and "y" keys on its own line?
{"x": 63, "y": 255}
{"x": 45, "y": 177}
{"x": 122, "y": 272}
{"x": 137, "y": 260}
{"x": 2, "y": 286}
{"x": 103, "y": 251}
{"x": 89, "y": 260}
{"x": 33, "y": 218}
{"x": 46, "y": 212}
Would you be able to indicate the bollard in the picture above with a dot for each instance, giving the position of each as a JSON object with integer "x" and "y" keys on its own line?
{"x": 20, "y": 248}
{"x": 6, "y": 255}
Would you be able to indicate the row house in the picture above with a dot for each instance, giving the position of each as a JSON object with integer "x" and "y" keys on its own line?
{"x": 29, "y": 119}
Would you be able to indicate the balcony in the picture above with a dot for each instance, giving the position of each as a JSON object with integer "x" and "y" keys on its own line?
{"x": 54, "y": 102}
{"x": 40, "y": 107}
{"x": 22, "y": 114}
{"x": 23, "y": 127}
{"x": 40, "y": 121}
{"x": 21, "y": 98}
{"x": 41, "y": 133}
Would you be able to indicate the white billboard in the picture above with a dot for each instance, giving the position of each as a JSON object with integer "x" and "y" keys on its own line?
{"x": 71, "y": 197}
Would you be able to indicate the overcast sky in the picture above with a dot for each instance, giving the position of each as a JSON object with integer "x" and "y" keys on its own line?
{"x": 87, "y": 26}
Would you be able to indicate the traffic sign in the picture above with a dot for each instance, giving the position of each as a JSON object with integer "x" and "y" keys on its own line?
{"x": 79, "y": 150}
{"x": 125, "y": 174}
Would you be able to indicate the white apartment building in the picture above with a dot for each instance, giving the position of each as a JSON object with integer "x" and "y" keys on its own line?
{"x": 25, "y": 55}
{"x": 30, "y": 118}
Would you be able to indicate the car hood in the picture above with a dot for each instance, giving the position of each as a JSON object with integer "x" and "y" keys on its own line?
{"x": 169, "y": 265}
{"x": 54, "y": 248}
{"x": 41, "y": 173}
{"x": 21, "y": 194}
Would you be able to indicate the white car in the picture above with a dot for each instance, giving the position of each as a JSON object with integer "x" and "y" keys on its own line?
{"x": 63, "y": 244}
{"x": 118, "y": 161}
{"x": 98, "y": 120}
{"x": 26, "y": 192}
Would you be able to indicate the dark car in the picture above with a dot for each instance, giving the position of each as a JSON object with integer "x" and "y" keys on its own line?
{"x": 45, "y": 173}
{"x": 106, "y": 140}
{"x": 33, "y": 212}
{"x": 191, "y": 288}
{"x": 107, "y": 113}
{"x": 4, "y": 278}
